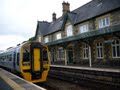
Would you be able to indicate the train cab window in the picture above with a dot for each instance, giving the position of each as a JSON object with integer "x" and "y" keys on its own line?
{"x": 26, "y": 56}
{"x": 45, "y": 55}
{"x": 18, "y": 58}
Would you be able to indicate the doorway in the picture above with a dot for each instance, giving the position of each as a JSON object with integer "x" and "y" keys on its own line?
{"x": 70, "y": 55}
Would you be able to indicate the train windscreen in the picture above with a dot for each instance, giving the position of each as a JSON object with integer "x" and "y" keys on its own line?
{"x": 45, "y": 55}
{"x": 26, "y": 54}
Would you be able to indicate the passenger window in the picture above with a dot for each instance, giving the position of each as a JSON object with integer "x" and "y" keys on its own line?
{"x": 18, "y": 58}
{"x": 14, "y": 57}
{"x": 10, "y": 57}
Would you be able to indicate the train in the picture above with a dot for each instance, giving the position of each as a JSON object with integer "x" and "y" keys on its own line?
{"x": 29, "y": 59}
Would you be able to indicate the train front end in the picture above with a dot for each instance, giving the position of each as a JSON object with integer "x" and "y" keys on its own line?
{"x": 34, "y": 62}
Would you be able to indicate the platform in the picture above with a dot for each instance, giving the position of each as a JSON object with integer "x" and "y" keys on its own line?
{"x": 85, "y": 75}
{"x": 87, "y": 68}
{"x": 9, "y": 81}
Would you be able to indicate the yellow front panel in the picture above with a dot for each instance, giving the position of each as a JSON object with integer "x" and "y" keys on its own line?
{"x": 36, "y": 59}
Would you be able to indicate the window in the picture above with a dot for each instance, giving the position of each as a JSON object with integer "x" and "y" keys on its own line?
{"x": 14, "y": 57}
{"x": 10, "y": 57}
{"x": 83, "y": 28}
{"x": 69, "y": 30}
{"x": 99, "y": 50}
{"x": 85, "y": 51}
{"x": 58, "y": 36}
{"x": 39, "y": 39}
{"x": 104, "y": 22}
{"x": 26, "y": 56}
{"x": 46, "y": 39}
{"x": 45, "y": 54}
{"x": 18, "y": 58}
{"x": 60, "y": 53}
{"x": 116, "y": 49}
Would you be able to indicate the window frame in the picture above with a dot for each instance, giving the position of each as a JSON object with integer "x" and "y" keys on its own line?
{"x": 99, "y": 46}
{"x": 58, "y": 35}
{"x": 85, "y": 51}
{"x": 69, "y": 30}
{"x": 115, "y": 45}
{"x": 40, "y": 39}
{"x": 46, "y": 39}
{"x": 103, "y": 22}
{"x": 60, "y": 53}
{"x": 83, "y": 28}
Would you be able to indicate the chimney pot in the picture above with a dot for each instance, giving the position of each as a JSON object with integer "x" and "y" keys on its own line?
{"x": 54, "y": 16}
{"x": 66, "y": 7}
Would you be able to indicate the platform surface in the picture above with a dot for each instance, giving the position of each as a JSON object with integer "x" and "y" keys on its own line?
{"x": 9, "y": 81}
{"x": 87, "y": 68}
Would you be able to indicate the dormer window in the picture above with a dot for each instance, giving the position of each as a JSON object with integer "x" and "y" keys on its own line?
{"x": 83, "y": 28}
{"x": 58, "y": 36}
{"x": 104, "y": 22}
{"x": 69, "y": 30}
{"x": 40, "y": 39}
{"x": 46, "y": 39}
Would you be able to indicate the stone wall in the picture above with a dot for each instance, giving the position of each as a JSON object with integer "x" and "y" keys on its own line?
{"x": 115, "y": 17}
{"x": 107, "y": 60}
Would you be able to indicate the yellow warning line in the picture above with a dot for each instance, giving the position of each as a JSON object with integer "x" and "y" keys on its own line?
{"x": 11, "y": 83}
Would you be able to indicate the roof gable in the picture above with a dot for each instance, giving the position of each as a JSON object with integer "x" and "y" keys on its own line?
{"x": 83, "y": 13}
{"x": 68, "y": 16}
{"x": 41, "y": 28}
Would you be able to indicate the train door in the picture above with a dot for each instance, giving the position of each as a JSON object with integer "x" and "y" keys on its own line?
{"x": 36, "y": 61}
{"x": 17, "y": 60}
{"x": 36, "y": 53}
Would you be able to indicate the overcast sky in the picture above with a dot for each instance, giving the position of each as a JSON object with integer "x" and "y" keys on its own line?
{"x": 18, "y": 18}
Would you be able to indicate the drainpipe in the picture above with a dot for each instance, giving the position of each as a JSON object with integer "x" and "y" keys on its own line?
{"x": 90, "y": 63}
{"x": 65, "y": 56}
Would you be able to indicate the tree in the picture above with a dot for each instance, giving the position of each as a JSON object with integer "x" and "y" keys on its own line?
{"x": 31, "y": 39}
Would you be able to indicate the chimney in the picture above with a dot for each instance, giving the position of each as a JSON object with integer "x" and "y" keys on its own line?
{"x": 66, "y": 7}
{"x": 54, "y": 16}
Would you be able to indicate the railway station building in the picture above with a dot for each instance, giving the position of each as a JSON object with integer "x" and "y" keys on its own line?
{"x": 86, "y": 36}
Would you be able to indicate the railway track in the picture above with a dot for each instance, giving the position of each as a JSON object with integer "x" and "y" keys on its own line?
{"x": 105, "y": 80}
{"x": 57, "y": 84}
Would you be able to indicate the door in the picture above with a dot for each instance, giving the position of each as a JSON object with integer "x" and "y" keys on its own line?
{"x": 36, "y": 53}
{"x": 36, "y": 61}
{"x": 70, "y": 55}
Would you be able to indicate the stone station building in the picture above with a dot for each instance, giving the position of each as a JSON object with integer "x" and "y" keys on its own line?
{"x": 86, "y": 36}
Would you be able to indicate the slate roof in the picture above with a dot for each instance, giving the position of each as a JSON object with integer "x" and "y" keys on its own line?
{"x": 42, "y": 28}
{"x": 55, "y": 26}
{"x": 83, "y": 13}
{"x": 93, "y": 9}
